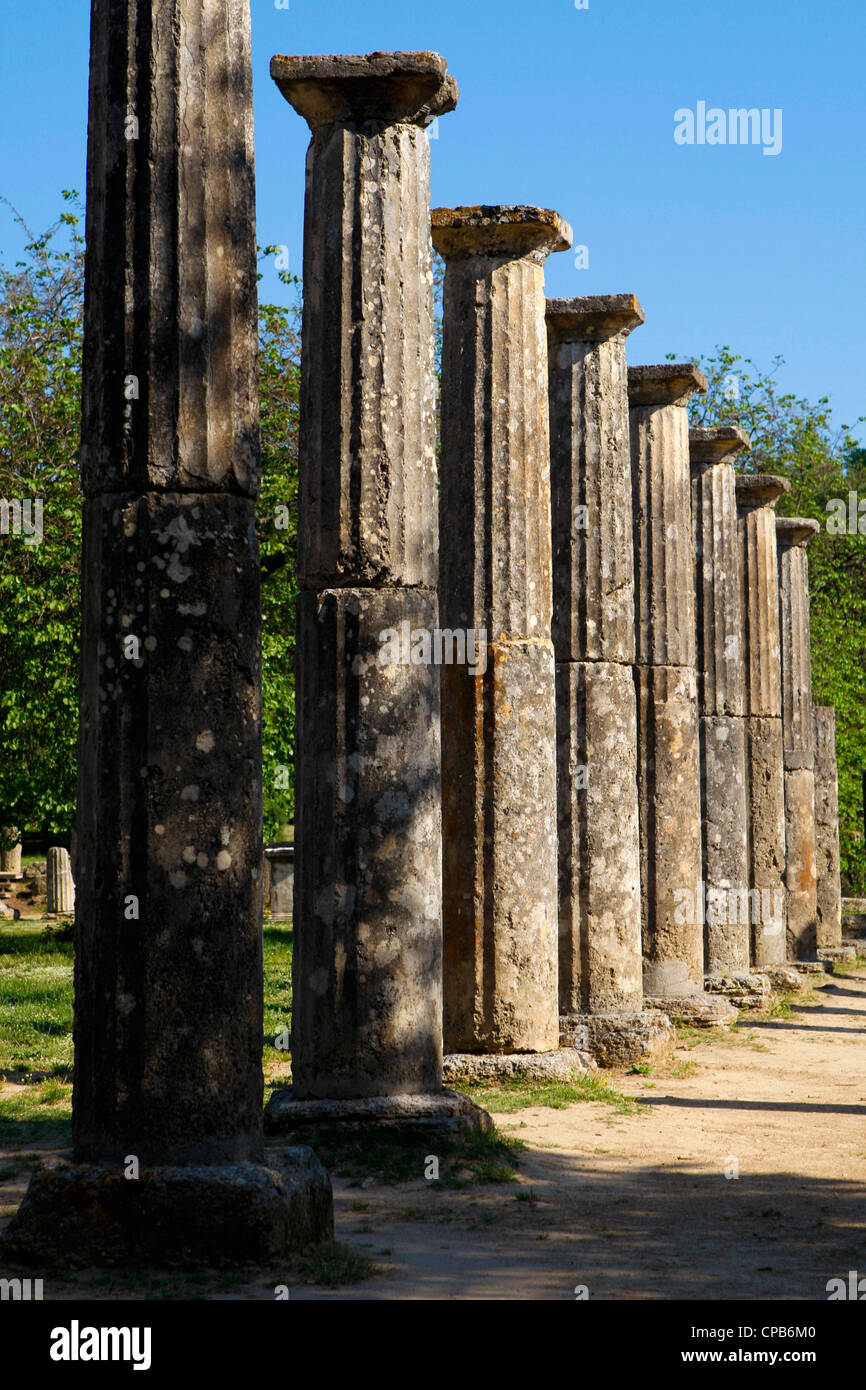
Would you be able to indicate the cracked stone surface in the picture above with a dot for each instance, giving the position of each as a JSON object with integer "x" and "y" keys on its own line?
{"x": 498, "y": 752}
{"x": 829, "y": 886}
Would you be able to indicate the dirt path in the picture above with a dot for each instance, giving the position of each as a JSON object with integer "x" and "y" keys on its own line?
{"x": 639, "y": 1206}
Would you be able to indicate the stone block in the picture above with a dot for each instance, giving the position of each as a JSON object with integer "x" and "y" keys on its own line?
{"x": 499, "y": 852}
{"x": 76, "y": 1215}
{"x": 599, "y": 841}
{"x": 669, "y": 801}
{"x": 367, "y": 966}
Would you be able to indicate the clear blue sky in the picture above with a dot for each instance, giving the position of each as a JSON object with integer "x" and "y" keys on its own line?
{"x": 571, "y": 109}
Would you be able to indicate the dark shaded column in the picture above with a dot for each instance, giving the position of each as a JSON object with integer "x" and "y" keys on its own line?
{"x": 721, "y": 700}
{"x": 669, "y": 779}
{"x": 367, "y": 968}
{"x": 167, "y": 1107}
{"x": 600, "y": 972}
{"x": 792, "y": 536}
{"x": 829, "y": 886}
{"x": 498, "y": 724}
{"x": 757, "y": 495}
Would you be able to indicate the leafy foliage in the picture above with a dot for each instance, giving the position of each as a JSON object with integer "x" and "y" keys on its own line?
{"x": 41, "y": 324}
{"x": 277, "y": 526}
{"x": 41, "y": 313}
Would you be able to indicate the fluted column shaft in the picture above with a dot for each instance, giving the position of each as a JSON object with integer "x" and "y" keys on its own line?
{"x": 669, "y": 792}
{"x": 60, "y": 889}
{"x": 498, "y": 755}
{"x": 169, "y": 791}
{"x": 757, "y": 495}
{"x": 792, "y": 536}
{"x": 594, "y": 645}
{"x": 167, "y": 1101}
{"x": 721, "y": 697}
{"x": 367, "y": 968}
{"x": 829, "y": 887}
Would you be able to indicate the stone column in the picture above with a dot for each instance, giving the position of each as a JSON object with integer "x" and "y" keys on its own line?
{"x": 757, "y": 495}
{"x": 169, "y": 1160}
{"x": 367, "y": 969}
{"x": 792, "y": 536}
{"x": 829, "y": 887}
{"x": 721, "y": 701}
{"x": 498, "y": 718}
{"x": 60, "y": 889}
{"x": 10, "y": 853}
{"x": 669, "y": 779}
{"x": 600, "y": 974}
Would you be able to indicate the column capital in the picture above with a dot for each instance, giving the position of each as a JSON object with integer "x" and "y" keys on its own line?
{"x": 393, "y": 88}
{"x": 796, "y": 530}
{"x": 503, "y": 232}
{"x": 760, "y": 490}
{"x": 593, "y": 318}
{"x": 664, "y": 383}
{"x": 709, "y": 446}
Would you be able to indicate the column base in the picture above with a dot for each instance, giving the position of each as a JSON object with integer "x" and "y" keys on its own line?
{"x": 697, "y": 1010}
{"x": 529, "y": 1066}
{"x": 785, "y": 977}
{"x": 745, "y": 989}
{"x": 446, "y": 1115}
{"x": 78, "y": 1215}
{"x": 623, "y": 1038}
{"x": 841, "y": 953}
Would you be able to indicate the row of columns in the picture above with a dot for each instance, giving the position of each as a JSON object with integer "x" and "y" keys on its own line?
{"x": 569, "y": 772}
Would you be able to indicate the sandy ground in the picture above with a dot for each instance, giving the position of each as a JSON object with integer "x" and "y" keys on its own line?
{"x": 639, "y": 1206}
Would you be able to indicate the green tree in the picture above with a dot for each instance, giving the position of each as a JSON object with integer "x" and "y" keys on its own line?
{"x": 41, "y": 324}
{"x": 41, "y": 311}
{"x": 277, "y": 526}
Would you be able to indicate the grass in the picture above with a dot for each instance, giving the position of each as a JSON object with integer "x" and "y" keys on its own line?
{"x": 680, "y": 1070}
{"x": 39, "y": 1114}
{"x": 517, "y": 1094}
{"x": 846, "y": 969}
{"x": 359, "y": 1156}
{"x": 278, "y": 987}
{"x": 780, "y": 1006}
{"x": 334, "y": 1264}
{"x": 36, "y": 962}
{"x": 35, "y": 1001}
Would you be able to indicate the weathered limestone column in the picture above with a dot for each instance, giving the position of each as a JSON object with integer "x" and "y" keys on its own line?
{"x": 721, "y": 700}
{"x": 757, "y": 495}
{"x": 10, "y": 853}
{"x": 669, "y": 779}
{"x": 60, "y": 889}
{"x": 498, "y": 724}
{"x": 367, "y": 969}
{"x": 829, "y": 886}
{"x": 792, "y": 536}
{"x": 600, "y": 972}
{"x": 167, "y": 1110}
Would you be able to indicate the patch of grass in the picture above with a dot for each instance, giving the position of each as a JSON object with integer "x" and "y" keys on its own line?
{"x": 845, "y": 968}
{"x": 35, "y": 1000}
{"x": 640, "y": 1069}
{"x": 680, "y": 1070}
{"x": 37, "y": 1115}
{"x": 333, "y": 1264}
{"x": 393, "y": 1158}
{"x": 518, "y": 1094}
{"x": 277, "y": 940}
{"x": 780, "y": 1006}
